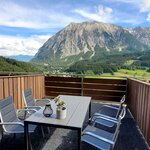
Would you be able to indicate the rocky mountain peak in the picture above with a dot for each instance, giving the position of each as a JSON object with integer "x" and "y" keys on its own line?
{"x": 81, "y": 39}
{"x": 92, "y": 25}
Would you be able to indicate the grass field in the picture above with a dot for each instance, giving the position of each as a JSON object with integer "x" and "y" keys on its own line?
{"x": 140, "y": 74}
{"x": 128, "y": 73}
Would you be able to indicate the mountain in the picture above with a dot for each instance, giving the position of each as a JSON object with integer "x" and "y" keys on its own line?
{"x": 142, "y": 34}
{"x": 25, "y": 58}
{"x": 11, "y": 65}
{"x": 81, "y": 41}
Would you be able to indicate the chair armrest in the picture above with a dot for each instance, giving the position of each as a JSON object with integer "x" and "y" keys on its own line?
{"x": 101, "y": 117}
{"x": 28, "y": 109}
{"x": 45, "y": 100}
{"x": 98, "y": 137}
{"x": 12, "y": 123}
{"x": 25, "y": 113}
{"x": 99, "y": 114}
{"x": 32, "y": 107}
{"x": 108, "y": 106}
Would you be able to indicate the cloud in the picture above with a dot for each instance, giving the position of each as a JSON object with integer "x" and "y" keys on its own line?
{"x": 148, "y": 17}
{"x": 102, "y": 14}
{"x": 38, "y": 15}
{"x": 109, "y": 15}
{"x": 145, "y": 6}
{"x": 16, "y": 45}
{"x": 35, "y": 17}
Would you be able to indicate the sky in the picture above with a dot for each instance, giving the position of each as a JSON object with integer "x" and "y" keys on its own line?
{"x": 25, "y": 25}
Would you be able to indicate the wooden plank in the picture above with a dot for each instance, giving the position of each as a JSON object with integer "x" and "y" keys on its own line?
{"x": 105, "y": 81}
{"x": 26, "y": 82}
{"x": 30, "y": 82}
{"x": 104, "y": 97}
{"x": 62, "y": 79}
{"x": 37, "y": 88}
{"x": 1, "y": 89}
{"x": 39, "y": 85}
{"x": 43, "y": 85}
{"x": 54, "y": 94}
{"x": 19, "y": 93}
{"x": 15, "y": 91}
{"x": 11, "y": 87}
{"x": 104, "y": 86}
{"x": 100, "y": 92}
{"x": 69, "y": 90}
{"x": 59, "y": 84}
{"x": 6, "y": 87}
{"x": 22, "y": 89}
{"x": 34, "y": 90}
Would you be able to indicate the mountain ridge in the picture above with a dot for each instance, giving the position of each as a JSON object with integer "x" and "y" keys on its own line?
{"x": 79, "y": 40}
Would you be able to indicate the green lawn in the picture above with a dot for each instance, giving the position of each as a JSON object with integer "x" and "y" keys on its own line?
{"x": 125, "y": 73}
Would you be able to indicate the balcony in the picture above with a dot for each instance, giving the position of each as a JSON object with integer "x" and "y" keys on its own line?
{"x": 134, "y": 132}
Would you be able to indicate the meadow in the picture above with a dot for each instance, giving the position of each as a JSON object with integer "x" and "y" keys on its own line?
{"x": 122, "y": 73}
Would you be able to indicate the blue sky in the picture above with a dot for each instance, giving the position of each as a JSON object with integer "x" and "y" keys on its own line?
{"x": 26, "y": 24}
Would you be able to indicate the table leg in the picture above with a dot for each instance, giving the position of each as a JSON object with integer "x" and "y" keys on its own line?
{"x": 26, "y": 136}
{"x": 90, "y": 110}
{"x": 79, "y": 139}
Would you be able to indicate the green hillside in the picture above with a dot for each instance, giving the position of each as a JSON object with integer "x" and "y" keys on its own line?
{"x": 110, "y": 62}
{"x": 11, "y": 65}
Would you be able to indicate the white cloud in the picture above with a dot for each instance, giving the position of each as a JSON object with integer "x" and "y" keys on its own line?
{"x": 102, "y": 14}
{"x": 16, "y": 45}
{"x": 108, "y": 15}
{"x": 145, "y": 6}
{"x": 148, "y": 17}
{"x": 15, "y": 15}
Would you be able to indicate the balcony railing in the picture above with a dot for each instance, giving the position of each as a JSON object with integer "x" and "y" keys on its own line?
{"x": 137, "y": 92}
{"x": 138, "y": 96}
{"x": 14, "y": 85}
{"x": 98, "y": 89}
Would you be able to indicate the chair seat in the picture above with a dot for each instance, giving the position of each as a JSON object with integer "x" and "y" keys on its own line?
{"x": 96, "y": 142}
{"x": 18, "y": 128}
{"x": 108, "y": 111}
{"x": 103, "y": 122}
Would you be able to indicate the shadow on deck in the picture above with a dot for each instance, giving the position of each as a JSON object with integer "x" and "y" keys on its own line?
{"x": 129, "y": 138}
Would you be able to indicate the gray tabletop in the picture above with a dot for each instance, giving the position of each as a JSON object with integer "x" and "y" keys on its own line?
{"x": 77, "y": 107}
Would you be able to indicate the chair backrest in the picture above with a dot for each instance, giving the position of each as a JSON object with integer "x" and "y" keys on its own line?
{"x": 7, "y": 111}
{"x": 123, "y": 99}
{"x": 120, "y": 106}
{"x": 28, "y": 98}
{"x": 121, "y": 116}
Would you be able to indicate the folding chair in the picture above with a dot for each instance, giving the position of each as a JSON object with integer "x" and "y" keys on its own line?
{"x": 9, "y": 120}
{"x": 102, "y": 139}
